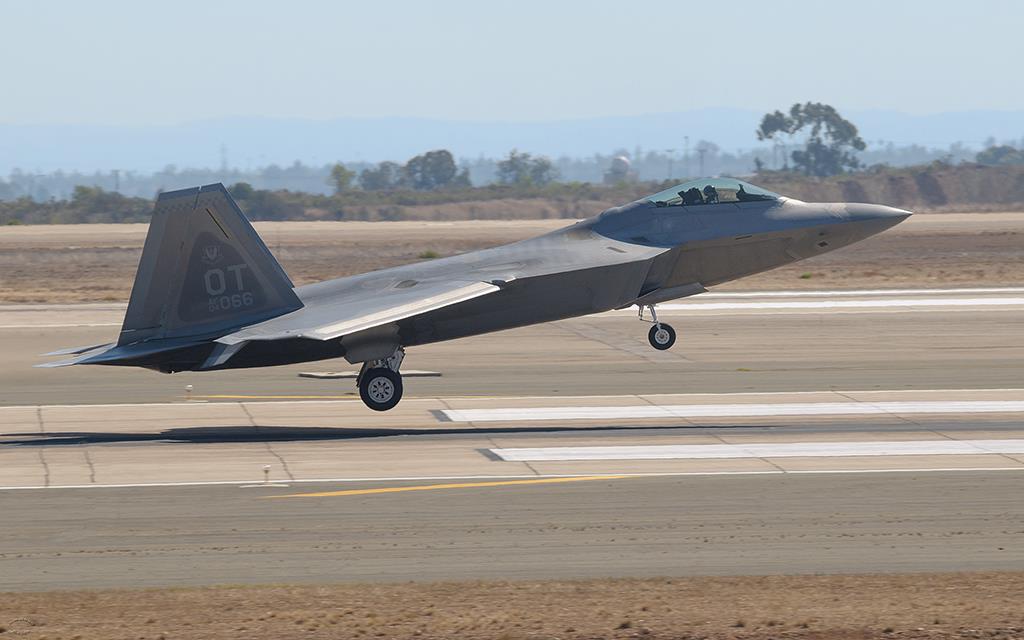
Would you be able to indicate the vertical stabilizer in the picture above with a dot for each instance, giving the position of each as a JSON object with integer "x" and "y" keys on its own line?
{"x": 203, "y": 271}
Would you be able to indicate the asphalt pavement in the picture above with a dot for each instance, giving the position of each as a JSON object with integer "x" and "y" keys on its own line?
{"x": 784, "y": 433}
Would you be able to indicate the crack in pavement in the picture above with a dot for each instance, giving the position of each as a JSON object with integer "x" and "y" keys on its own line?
{"x": 92, "y": 467}
{"x": 270, "y": 450}
{"x": 42, "y": 456}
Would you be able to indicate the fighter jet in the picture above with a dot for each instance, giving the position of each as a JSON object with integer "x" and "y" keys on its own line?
{"x": 208, "y": 294}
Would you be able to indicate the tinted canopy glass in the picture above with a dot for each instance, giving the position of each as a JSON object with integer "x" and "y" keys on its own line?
{"x": 711, "y": 191}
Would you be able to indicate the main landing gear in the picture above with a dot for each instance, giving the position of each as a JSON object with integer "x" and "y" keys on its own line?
{"x": 380, "y": 383}
{"x": 661, "y": 336}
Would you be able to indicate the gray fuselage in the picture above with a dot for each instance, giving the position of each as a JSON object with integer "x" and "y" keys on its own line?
{"x": 639, "y": 253}
{"x": 209, "y": 295}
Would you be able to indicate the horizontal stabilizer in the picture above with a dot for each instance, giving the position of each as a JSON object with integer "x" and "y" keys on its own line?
{"x": 72, "y": 351}
{"x": 57, "y": 363}
{"x": 81, "y": 354}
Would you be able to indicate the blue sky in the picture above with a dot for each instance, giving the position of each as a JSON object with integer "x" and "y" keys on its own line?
{"x": 136, "y": 62}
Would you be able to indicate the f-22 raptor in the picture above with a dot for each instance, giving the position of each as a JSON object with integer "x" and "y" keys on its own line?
{"x": 209, "y": 295}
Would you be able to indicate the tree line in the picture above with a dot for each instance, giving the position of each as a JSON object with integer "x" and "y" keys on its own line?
{"x": 819, "y": 142}
{"x": 438, "y": 171}
{"x": 435, "y": 170}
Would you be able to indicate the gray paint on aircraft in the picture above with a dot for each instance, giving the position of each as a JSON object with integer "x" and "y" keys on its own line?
{"x": 209, "y": 294}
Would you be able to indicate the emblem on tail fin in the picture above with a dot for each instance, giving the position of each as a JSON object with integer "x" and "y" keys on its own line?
{"x": 218, "y": 282}
{"x": 211, "y": 254}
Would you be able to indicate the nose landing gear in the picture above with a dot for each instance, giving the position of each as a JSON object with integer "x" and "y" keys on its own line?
{"x": 380, "y": 383}
{"x": 661, "y": 336}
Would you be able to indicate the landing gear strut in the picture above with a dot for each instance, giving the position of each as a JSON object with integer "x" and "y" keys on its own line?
{"x": 380, "y": 383}
{"x": 661, "y": 336}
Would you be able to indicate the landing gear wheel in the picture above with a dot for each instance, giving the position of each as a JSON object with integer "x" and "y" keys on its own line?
{"x": 380, "y": 388}
{"x": 661, "y": 336}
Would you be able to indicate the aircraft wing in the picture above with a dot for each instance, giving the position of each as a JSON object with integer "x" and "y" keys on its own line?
{"x": 357, "y": 309}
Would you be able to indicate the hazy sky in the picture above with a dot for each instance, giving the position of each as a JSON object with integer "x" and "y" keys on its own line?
{"x": 138, "y": 62}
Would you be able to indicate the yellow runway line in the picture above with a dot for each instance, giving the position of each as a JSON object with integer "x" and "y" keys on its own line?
{"x": 436, "y": 487}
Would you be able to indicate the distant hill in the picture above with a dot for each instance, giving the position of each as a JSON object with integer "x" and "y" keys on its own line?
{"x": 251, "y": 142}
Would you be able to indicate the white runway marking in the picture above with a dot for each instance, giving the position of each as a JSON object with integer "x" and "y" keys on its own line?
{"x": 858, "y": 293}
{"x": 876, "y": 303}
{"x": 465, "y": 412}
{"x": 70, "y": 306}
{"x": 60, "y": 326}
{"x": 763, "y": 450}
{"x": 731, "y": 410}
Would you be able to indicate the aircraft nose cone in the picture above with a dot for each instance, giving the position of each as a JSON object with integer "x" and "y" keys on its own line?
{"x": 876, "y": 213}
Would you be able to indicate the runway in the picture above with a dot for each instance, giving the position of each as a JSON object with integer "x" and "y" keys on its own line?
{"x": 743, "y": 348}
{"x": 472, "y": 437}
{"x": 746, "y": 525}
{"x": 771, "y": 439}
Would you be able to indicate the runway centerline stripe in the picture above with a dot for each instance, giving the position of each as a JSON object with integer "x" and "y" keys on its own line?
{"x": 439, "y": 487}
{"x": 732, "y": 410}
{"x": 764, "y": 450}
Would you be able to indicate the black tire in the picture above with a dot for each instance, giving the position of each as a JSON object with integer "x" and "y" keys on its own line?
{"x": 662, "y": 338}
{"x": 380, "y": 388}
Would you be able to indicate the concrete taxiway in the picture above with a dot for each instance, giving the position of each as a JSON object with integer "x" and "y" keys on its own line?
{"x": 784, "y": 433}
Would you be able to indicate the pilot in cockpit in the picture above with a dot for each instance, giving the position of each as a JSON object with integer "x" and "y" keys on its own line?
{"x": 691, "y": 196}
{"x": 710, "y": 195}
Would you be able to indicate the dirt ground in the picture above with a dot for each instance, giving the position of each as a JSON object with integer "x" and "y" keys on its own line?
{"x": 972, "y": 605}
{"x": 95, "y": 263}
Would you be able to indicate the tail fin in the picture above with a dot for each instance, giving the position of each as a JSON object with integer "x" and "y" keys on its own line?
{"x": 203, "y": 270}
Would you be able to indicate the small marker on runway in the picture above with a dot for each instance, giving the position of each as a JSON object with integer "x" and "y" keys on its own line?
{"x": 266, "y": 481}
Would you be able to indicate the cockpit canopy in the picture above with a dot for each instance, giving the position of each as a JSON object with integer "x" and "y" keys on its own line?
{"x": 711, "y": 191}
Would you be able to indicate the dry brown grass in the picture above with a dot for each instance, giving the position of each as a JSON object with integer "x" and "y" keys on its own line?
{"x": 973, "y": 605}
